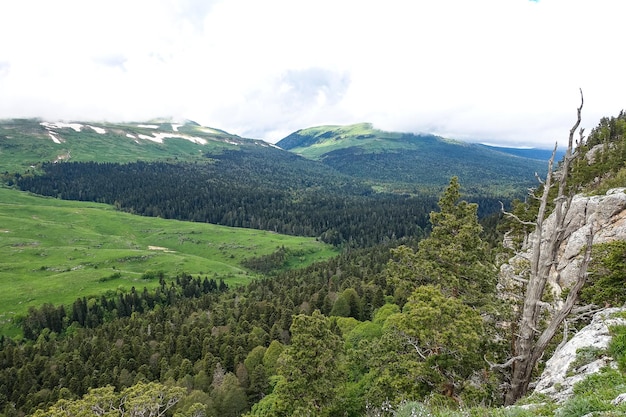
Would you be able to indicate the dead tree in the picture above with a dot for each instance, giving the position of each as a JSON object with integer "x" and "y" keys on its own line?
{"x": 529, "y": 342}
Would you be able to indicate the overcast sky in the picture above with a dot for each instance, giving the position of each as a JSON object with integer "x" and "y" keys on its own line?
{"x": 498, "y": 71}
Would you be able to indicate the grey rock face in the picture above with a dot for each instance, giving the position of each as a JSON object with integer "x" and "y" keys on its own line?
{"x": 605, "y": 214}
{"x": 559, "y": 377}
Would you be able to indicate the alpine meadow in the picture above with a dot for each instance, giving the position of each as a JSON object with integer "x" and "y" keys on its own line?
{"x": 164, "y": 268}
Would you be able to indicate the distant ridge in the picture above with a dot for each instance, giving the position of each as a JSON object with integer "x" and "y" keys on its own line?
{"x": 385, "y": 161}
{"x": 407, "y": 159}
{"x": 532, "y": 153}
{"x": 26, "y": 142}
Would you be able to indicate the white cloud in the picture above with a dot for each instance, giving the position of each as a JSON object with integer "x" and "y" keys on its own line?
{"x": 490, "y": 70}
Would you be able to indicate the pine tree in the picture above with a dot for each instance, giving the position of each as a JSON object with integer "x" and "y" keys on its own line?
{"x": 309, "y": 370}
{"x": 453, "y": 257}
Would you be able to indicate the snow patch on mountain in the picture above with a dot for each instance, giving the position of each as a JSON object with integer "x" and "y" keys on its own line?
{"x": 54, "y": 138}
{"x": 98, "y": 130}
{"x": 158, "y": 137}
{"x": 60, "y": 125}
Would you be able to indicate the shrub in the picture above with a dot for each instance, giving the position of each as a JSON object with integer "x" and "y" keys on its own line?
{"x": 579, "y": 406}
{"x": 585, "y": 356}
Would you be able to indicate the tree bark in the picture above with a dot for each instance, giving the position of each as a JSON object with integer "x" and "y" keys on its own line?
{"x": 529, "y": 343}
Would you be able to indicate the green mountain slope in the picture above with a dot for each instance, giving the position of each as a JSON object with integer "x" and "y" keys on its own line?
{"x": 27, "y": 142}
{"x": 393, "y": 158}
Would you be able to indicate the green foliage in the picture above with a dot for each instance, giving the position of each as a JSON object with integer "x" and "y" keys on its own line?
{"x": 229, "y": 398}
{"x": 606, "y": 284}
{"x": 309, "y": 370}
{"x": 585, "y": 356}
{"x": 47, "y": 243}
{"x": 605, "y": 169}
{"x": 399, "y": 161}
{"x": 383, "y": 313}
{"x": 453, "y": 257}
{"x": 348, "y": 304}
{"x": 138, "y": 400}
{"x": 271, "y": 355}
{"x": 580, "y": 406}
{"x": 364, "y": 331}
{"x": 438, "y": 325}
{"x": 259, "y": 188}
{"x": 617, "y": 346}
{"x": 428, "y": 349}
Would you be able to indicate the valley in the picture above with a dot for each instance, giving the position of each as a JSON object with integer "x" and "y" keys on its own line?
{"x": 347, "y": 270}
{"x": 56, "y": 251}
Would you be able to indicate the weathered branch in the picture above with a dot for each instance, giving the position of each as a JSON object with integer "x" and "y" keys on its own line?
{"x": 508, "y": 214}
{"x": 545, "y": 255}
{"x": 411, "y": 341}
{"x": 565, "y": 333}
{"x": 504, "y": 365}
{"x": 518, "y": 279}
{"x": 572, "y": 296}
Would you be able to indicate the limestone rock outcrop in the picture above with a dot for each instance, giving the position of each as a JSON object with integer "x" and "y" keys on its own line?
{"x": 606, "y": 214}
{"x": 560, "y": 373}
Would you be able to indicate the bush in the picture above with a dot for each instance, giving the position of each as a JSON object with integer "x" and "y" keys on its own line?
{"x": 585, "y": 356}
{"x": 580, "y": 406}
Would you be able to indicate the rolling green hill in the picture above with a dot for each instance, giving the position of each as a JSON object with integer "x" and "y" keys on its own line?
{"x": 422, "y": 161}
{"x": 53, "y": 251}
{"x": 27, "y": 142}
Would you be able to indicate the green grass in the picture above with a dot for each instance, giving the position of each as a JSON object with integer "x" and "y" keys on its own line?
{"x": 358, "y": 135}
{"x": 53, "y": 251}
{"x": 25, "y": 143}
{"x": 324, "y": 139}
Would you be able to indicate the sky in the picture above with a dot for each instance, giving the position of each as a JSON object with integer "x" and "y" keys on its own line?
{"x": 504, "y": 72}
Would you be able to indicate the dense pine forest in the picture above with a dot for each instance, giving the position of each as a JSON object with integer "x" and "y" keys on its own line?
{"x": 252, "y": 189}
{"x": 407, "y": 320}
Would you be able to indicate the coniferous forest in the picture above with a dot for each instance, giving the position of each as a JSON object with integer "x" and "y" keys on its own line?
{"x": 252, "y": 189}
{"x": 407, "y": 320}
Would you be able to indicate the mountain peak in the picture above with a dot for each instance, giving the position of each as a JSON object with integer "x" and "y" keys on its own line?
{"x": 366, "y": 152}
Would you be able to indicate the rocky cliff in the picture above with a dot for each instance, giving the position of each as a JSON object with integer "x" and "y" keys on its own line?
{"x": 606, "y": 214}
{"x": 582, "y": 355}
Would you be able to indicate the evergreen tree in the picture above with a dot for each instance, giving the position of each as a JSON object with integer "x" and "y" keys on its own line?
{"x": 453, "y": 257}
{"x": 309, "y": 370}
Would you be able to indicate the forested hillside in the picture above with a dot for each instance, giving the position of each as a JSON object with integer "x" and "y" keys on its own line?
{"x": 415, "y": 162}
{"x": 263, "y": 188}
{"x": 408, "y": 319}
{"x": 229, "y": 193}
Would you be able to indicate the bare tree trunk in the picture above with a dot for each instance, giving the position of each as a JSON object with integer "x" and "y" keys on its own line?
{"x": 529, "y": 343}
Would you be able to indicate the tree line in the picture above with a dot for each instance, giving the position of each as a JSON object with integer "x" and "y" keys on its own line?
{"x": 251, "y": 189}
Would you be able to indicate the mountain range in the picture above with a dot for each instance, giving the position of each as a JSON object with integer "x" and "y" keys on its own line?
{"x": 389, "y": 161}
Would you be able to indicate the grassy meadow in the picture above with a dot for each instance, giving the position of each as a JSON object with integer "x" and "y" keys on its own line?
{"x": 53, "y": 251}
{"x": 358, "y": 135}
{"x": 25, "y": 143}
